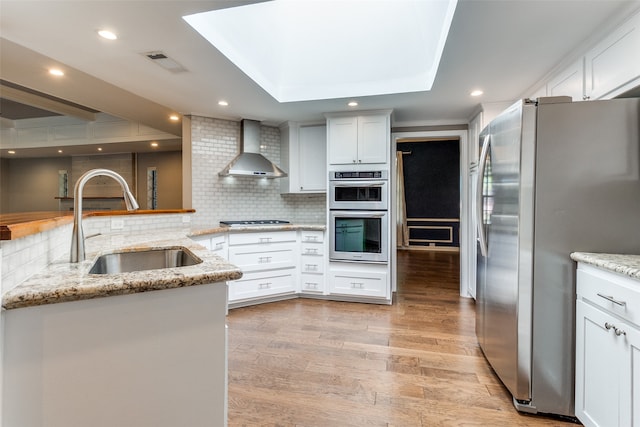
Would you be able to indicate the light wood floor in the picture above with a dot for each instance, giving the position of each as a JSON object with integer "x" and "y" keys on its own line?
{"x": 307, "y": 362}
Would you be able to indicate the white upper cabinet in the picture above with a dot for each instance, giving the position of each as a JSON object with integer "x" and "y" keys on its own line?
{"x": 613, "y": 65}
{"x": 359, "y": 139}
{"x": 608, "y": 69}
{"x": 569, "y": 82}
{"x": 303, "y": 153}
{"x": 312, "y": 162}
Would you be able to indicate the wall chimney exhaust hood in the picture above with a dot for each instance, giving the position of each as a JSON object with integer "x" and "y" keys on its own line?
{"x": 250, "y": 162}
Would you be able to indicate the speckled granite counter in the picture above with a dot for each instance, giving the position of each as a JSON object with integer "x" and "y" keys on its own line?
{"x": 628, "y": 265}
{"x": 254, "y": 228}
{"x": 63, "y": 281}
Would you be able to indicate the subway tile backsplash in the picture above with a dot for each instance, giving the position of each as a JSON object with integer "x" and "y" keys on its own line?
{"x": 215, "y": 142}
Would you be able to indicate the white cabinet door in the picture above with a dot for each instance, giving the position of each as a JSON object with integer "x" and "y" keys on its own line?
{"x": 373, "y": 139}
{"x": 613, "y": 66}
{"x": 366, "y": 284}
{"x": 630, "y": 382}
{"x": 342, "y": 134}
{"x": 599, "y": 356}
{"x": 363, "y": 139}
{"x": 312, "y": 162}
{"x": 570, "y": 82}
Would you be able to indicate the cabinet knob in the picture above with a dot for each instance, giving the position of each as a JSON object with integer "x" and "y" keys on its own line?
{"x": 586, "y": 97}
{"x": 619, "y": 331}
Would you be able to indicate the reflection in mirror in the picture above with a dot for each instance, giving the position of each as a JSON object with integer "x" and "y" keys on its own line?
{"x": 41, "y": 157}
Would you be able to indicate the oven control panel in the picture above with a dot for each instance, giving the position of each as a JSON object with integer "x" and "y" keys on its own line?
{"x": 358, "y": 175}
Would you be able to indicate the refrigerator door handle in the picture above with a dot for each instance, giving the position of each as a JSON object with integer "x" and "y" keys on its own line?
{"x": 482, "y": 238}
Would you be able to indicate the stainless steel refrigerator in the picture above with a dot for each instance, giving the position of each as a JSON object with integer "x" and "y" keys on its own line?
{"x": 555, "y": 177}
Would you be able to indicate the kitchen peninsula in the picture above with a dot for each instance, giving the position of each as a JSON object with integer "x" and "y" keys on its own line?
{"x": 102, "y": 350}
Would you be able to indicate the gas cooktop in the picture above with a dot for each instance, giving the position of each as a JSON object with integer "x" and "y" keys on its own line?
{"x": 255, "y": 222}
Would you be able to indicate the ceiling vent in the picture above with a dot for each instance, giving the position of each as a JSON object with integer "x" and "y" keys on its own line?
{"x": 165, "y": 62}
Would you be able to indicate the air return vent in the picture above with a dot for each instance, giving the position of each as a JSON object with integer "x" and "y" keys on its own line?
{"x": 165, "y": 62}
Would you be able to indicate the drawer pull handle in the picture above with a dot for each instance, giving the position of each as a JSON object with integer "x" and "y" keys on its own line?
{"x": 311, "y": 238}
{"x": 265, "y": 239}
{"x": 358, "y": 285}
{"x": 311, "y": 250}
{"x": 311, "y": 267}
{"x": 264, "y": 259}
{"x": 266, "y": 285}
{"x": 311, "y": 285}
{"x": 219, "y": 245}
{"x": 613, "y": 300}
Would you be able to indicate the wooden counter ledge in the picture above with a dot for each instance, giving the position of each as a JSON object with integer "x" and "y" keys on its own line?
{"x": 16, "y": 225}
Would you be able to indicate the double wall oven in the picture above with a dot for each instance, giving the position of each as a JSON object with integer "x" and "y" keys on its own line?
{"x": 359, "y": 216}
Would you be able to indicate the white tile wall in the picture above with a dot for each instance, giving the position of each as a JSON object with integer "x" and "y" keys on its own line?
{"x": 214, "y": 144}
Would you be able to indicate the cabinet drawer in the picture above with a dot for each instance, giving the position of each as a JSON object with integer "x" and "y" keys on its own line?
{"x": 612, "y": 292}
{"x": 276, "y": 255}
{"x": 255, "y": 285}
{"x": 311, "y": 236}
{"x": 261, "y": 238}
{"x": 360, "y": 283}
{"x": 312, "y": 283}
{"x": 311, "y": 264}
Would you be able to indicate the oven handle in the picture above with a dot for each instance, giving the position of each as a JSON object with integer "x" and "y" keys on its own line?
{"x": 359, "y": 214}
{"x": 353, "y": 184}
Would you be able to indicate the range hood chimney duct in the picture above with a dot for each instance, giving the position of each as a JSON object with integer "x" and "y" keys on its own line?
{"x": 250, "y": 162}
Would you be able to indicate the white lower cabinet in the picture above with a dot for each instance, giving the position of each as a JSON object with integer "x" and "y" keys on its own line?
{"x": 262, "y": 284}
{"x": 607, "y": 349}
{"x": 217, "y": 243}
{"x": 268, "y": 262}
{"x": 360, "y": 280}
{"x": 312, "y": 262}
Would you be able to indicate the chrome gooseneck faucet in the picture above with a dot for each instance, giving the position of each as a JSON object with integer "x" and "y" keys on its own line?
{"x": 77, "y": 237}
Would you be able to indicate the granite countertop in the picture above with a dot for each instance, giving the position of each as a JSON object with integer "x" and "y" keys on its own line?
{"x": 628, "y": 265}
{"x": 63, "y": 281}
{"x": 254, "y": 228}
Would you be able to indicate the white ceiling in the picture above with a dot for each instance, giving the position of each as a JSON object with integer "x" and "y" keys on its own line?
{"x": 501, "y": 46}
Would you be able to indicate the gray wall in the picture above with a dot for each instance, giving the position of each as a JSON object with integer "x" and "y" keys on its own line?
{"x": 31, "y": 184}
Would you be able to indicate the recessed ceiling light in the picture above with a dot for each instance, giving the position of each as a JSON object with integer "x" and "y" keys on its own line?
{"x": 154, "y": 144}
{"x": 11, "y": 152}
{"x": 106, "y": 34}
{"x": 99, "y": 148}
{"x": 56, "y": 72}
{"x": 476, "y": 92}
{"x": 59, "y": 151}
{"x": 352, "y": 104}
{"x": 174, "y": 117}
{"x": 223, "y": 103}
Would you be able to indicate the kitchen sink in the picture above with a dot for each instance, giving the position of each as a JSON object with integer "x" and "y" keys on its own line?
{"x": 148, "y": 259}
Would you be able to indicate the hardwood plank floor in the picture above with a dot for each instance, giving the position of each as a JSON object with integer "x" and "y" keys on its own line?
{"x": 308, "y": 362}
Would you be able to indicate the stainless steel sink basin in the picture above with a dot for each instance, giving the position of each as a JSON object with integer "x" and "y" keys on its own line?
{"x": 150, "y": 259}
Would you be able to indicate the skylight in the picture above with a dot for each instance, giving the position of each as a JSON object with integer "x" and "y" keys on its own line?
{"x": 301, "y": 50}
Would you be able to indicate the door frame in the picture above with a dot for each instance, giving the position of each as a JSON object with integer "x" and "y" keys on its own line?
{"x": 465, "y": 197}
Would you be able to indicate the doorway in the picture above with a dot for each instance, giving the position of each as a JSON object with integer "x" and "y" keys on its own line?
{"x": 464, "y": 235}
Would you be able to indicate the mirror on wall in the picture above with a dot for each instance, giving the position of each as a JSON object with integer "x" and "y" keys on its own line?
{"x": 44, "y": 152}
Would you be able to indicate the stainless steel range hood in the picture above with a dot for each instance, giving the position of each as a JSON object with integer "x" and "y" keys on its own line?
{"x": 250, "y": 162}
